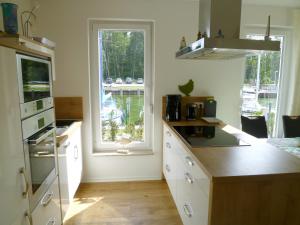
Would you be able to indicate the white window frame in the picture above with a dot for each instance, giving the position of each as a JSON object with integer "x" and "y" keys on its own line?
{"x": 147, "y": 27}
{"x": 283, "y": 92}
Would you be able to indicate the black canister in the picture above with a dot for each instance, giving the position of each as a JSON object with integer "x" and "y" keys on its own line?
{"x": 173, "y": 108}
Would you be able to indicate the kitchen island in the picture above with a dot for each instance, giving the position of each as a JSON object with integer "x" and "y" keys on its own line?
{"x": 255, "y": 184}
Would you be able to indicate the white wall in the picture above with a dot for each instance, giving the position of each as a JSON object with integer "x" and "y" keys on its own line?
{"x": 22, "y": 6}
{"x": 65, "y": 22}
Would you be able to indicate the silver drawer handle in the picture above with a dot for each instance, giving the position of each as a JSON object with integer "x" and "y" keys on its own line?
{"x": 52, "y": 221}
{"x": 168, "y": 168}
{"x": 187, "y": 210}
{"x": 47, "y": 199}
{"x": 189, "y": 178}
{"x": 28, "y": 218}
{"x": 168, "y": 133}
{"x": 25, "y": 182}
{"x": 168, "y": 145}
{"x": 189, "y": 161}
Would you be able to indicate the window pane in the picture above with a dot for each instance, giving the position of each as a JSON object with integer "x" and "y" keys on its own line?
{"x": 121, "y": 85}
{"x": 260, "y": 88}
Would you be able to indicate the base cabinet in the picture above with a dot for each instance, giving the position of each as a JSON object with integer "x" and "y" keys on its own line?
{"x": 70, "y": 168}
{"x": 188, "y": 184}
{"x": 48, "y": 210}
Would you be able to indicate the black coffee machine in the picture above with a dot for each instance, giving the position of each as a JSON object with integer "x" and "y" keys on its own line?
{"x": 173, "y": 107}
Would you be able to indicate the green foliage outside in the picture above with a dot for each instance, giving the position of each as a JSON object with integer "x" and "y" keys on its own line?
{"x": 132, "y": 125}
{"x": 123, "y": 54}
{"x": 269, "y": 67}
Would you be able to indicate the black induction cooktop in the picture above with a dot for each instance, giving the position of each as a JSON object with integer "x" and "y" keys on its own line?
{"x": 205, "y": 136}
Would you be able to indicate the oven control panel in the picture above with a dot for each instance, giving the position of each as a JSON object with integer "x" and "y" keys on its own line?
{"x": 36, "y": 123}
{"x": 34, "y": 107}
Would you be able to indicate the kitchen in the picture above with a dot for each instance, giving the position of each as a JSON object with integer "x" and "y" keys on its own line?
{"x": 221, "y": 79}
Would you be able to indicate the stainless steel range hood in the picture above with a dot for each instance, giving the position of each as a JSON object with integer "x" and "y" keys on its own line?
{"x": 224, "y": 16}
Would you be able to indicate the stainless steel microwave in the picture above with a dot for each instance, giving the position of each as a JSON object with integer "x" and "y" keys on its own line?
{"x": 35, "y": 84}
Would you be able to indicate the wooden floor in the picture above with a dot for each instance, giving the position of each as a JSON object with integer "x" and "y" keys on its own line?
{"x": 123, "y": 203}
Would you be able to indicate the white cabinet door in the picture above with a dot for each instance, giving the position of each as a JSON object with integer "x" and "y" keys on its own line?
{"x": 193, "y": 191}
{"x": 12, "y": 183}
{"x": 63, "y": 177}
{"x": 170, "y": 161}
{"x": 74, "y": 162}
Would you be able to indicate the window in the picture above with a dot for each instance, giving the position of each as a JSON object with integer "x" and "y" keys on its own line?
{"x": 262, "y": 81}
{"x": 121, "y": 85}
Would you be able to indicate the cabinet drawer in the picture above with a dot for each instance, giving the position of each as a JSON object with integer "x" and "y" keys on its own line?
{"x": 194, "y": 211}
{"x": 193, "y": 171}
{"x": 169, "y": 170}
{"x": 48, "y": 210}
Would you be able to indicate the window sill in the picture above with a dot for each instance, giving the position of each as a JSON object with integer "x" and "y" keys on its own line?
{"x": 129, "y": 153}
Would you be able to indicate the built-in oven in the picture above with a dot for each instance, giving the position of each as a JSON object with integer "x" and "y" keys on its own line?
{"x": 35, "y": 84}
{"x": 40, "y": 155}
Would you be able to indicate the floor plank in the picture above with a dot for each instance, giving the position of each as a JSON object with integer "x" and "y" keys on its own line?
{"x": 123, "y": 203}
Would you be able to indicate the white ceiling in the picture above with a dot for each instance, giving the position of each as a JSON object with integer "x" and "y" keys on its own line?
{"x": 289, "y": 3}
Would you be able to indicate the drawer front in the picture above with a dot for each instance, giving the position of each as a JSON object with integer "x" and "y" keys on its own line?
{"x": 193, "y": 212}
{"x": 169, "y": 162}
{"x": 193, "y": 202}
{"x": 169, "y": 169}
{"x": 48, "y": 210}
{"x": 193, "y": 171}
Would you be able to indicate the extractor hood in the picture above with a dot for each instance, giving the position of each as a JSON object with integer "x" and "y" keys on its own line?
{"x": 220, "y": 21}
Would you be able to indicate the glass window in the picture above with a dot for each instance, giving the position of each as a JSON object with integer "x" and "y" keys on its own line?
{"x": 261, "y": 84}
{"x": 122, "y": 110}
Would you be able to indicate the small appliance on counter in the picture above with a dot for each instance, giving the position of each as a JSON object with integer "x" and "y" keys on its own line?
{"x": 173, "y": 107}
{"x": 191, "y": 111}
{"x": 210, "y": 108}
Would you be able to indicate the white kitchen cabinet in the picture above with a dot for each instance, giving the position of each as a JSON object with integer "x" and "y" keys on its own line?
{"x": 70, "y": 167}
{"x": 13, "y": 183}
{"x": 169, "y": 162}
{"x": 48, "y": 210}
{"x": 189, "y": 184}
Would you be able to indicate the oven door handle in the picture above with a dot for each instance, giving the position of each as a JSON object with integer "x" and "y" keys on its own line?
{"x": 42, "y": 137}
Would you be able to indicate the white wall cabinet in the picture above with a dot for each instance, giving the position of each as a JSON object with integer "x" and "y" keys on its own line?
{"x": 13, "y": 183}
{"x": 188, "y": 183}
{"x": 70, "y": 168}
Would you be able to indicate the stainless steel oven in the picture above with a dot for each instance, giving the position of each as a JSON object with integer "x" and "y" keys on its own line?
{"x": 40, "y": 155}
{"x": 35, "y": 84}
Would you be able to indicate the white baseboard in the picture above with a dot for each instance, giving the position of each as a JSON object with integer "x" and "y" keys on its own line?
{"x": 119, "y": 179}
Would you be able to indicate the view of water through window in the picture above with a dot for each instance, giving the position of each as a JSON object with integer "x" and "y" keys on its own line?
{"x": 121, "y": 85}
{"x": 259, "y": 92}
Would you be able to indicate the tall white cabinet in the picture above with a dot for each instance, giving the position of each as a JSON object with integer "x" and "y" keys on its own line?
{"x": 14, "y": 203}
